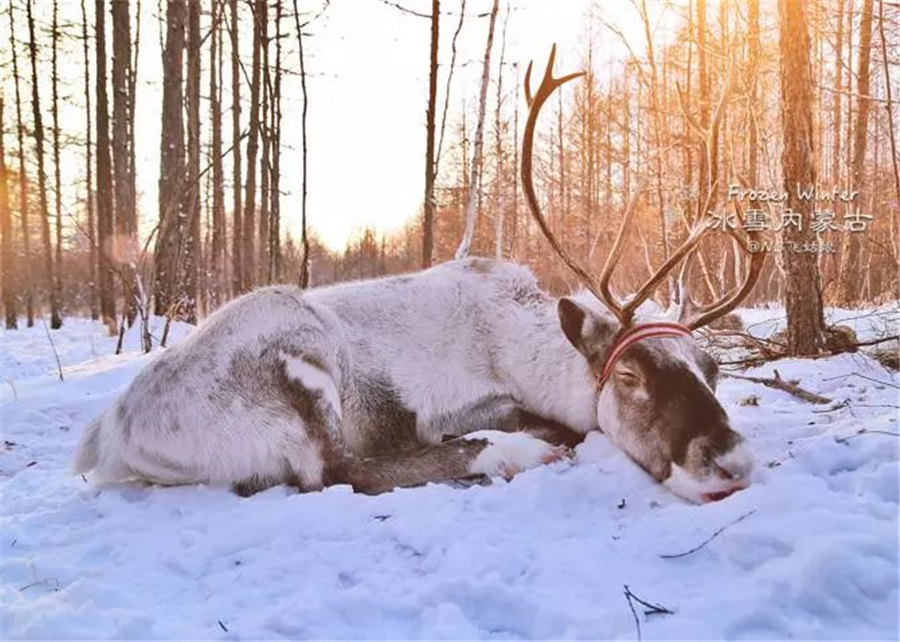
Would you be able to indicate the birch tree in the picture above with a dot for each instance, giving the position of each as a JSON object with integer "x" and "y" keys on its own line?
{"x": 475, "y": 176}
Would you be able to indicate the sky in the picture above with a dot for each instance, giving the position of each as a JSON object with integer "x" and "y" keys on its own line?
{"x": 367, "y": 79}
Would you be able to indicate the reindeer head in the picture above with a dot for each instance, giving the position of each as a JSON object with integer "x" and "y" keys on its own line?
{"x": 656, "y": 387}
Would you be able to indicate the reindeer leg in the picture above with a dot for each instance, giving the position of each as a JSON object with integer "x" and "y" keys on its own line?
{"x": 486, "y": 453}
{"x": 550, "y": 431}
{"x": 503, "y": 413}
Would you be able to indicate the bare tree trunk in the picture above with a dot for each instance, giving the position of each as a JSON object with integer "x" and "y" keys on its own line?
{"x": 192, "y": 249}
{"x": 57, "y": 174}
{"x": 475, "y": 179}
{"x": 657, "y": 129}
{"x": 703, "y": 182}
{"x": 890, "y": 101}
{"x": 499, "y": 200}
{"x": 275, "y": 206}
{"x": 169, "y": 241}
{"x": 514, "y": 233}
{"x": 38, "y": 124}
{"x": 265, "y": 134}
{"x": 249, "y": 235}
{"x": 563, "y": 198}
{"x": 132, "y": 98}
{"x": 89, "y": 169}
{"x": 217, "y": 258}
{"x": 803, "y": 300}
{"x": 6, "y": 257}
{"x": 237, "y": 227}
{"x": 104, "y": 176}
{"x": 453, "y": 51}
{"x": 429, "y": 204}
{"x": 851, "y": 268}
{"x": 753, "y": 82}
{"x": 23, "y": 176}
{"x": 304, "y": 264}
{"x": 121, "y": 157}
{"x": 836, "y": 96}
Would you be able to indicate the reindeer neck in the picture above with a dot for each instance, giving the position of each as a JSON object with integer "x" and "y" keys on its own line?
{"x": 557, "y": 375}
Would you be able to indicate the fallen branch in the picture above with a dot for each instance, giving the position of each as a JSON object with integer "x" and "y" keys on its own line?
{"x": 864, "y": 431}
{"x": 53, "y": 345}
{"x": 652, "y": 609}
{"x": 841, "y": 405}
{"x": 708, "y": 540}
{"x": 637, "y": 622}
{"x": 862, "y": 376}
{"x": 780, "y": 384}
{"x": 872, "y": 342}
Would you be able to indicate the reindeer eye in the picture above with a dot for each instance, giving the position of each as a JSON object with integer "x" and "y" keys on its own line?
{"x": 628, "y": 378}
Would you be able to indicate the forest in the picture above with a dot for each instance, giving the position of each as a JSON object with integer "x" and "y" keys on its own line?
{"x": 692, "y": 103}
{"x": 671, "y": 413}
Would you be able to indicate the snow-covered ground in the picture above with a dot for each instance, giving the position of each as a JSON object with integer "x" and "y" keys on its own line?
{"x": 544, "y": 556}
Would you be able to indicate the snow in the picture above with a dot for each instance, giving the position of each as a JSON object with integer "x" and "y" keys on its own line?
{"x": 868, "y": 323}
{"x": 545, "y": 555}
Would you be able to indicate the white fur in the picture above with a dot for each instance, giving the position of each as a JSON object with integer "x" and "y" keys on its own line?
{"x": 314, "y": 378}
{"x": 682, "y": 484}
{"x": 443, "y": 339}
{"x": 738, "y": 461}
{"x": 681, "y": 349}
{"x": 508, "y": 454}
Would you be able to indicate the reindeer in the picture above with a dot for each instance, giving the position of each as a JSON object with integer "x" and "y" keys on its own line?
{"x": 465, "y": 369}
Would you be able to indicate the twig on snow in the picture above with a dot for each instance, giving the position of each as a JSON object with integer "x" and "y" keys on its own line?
{"x": 849, "y": 406}
{"x": 862, "y": 376}
{"x": 780, "y": 384}
{"x": 865, "y": 431}
{"x": 873, "y": 342}
{"x": 53, "y": 345}
{"x": 43, "y": 582}
{"x": 652, "y": 609}
{"x": 13, "y": 386}
{"x": 637, "y": 622}
{"x": 707, "y": 540}
{"x": 222, "y": 626}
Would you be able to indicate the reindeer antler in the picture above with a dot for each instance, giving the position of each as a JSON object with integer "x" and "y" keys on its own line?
{"x": 703, "y": 315}
{"x": 599, "y": 287}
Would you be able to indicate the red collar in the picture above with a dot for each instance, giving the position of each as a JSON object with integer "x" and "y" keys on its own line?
{"x": 632, "y": 336}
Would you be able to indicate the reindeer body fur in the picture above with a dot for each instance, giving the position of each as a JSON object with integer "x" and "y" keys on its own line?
{"x": 311, "y": 387}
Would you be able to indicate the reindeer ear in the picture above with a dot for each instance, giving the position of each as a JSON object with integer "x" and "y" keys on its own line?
{"x": 586, "y": 330}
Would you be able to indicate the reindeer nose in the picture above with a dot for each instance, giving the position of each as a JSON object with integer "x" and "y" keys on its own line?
{"x": 735, "y": 465}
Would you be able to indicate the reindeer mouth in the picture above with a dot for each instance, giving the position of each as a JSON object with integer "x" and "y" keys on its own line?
{"x": 722, "y": 494}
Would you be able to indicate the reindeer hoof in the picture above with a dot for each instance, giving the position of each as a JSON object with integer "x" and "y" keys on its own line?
{"x": 508, "y": 454}
{"x": 558, "y": 453}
